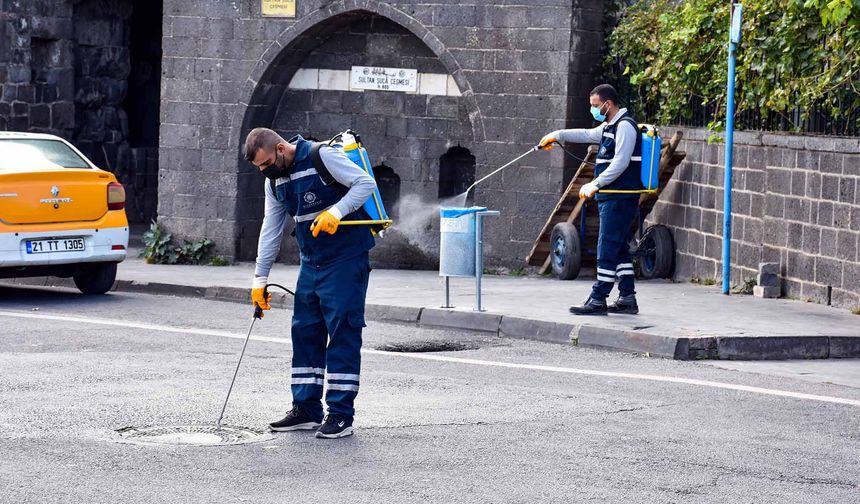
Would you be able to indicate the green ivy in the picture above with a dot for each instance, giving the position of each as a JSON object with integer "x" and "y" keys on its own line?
{"x": 794, "y": 55}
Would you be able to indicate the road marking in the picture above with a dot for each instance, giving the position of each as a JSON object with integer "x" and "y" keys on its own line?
{"x": 444, "y": 358}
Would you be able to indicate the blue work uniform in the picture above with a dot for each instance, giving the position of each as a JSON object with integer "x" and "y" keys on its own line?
{"x": 328, "y": 313}
{"x": 613, "y": 171}
{"x": 617, "y": 213}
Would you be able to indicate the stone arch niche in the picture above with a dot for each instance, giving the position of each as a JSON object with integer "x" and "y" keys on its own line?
{"x": 388, "y": 183}
{"x": 306, "y": 90}
{"x": 456, "y": 172}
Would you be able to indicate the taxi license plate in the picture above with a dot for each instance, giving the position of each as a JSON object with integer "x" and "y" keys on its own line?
{"x": 56, "y": 245}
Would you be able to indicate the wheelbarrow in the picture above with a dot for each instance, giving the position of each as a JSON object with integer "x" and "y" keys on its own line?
{"x": 568, "y": 240}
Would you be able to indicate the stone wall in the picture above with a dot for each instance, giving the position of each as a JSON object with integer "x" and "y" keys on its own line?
{"x": 796, "y": 202}
{"x": 227, "y": 69}
{"x": 37, "y": 67}
{"x": 64, "y": 67}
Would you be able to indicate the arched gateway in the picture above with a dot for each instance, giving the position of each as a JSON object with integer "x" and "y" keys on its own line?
{"x": 302, "y": 86}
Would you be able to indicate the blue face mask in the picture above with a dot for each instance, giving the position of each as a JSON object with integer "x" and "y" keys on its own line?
{"x": 595, "y": 112}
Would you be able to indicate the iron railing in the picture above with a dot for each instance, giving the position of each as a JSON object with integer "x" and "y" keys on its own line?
{"x": 819, "y": 121}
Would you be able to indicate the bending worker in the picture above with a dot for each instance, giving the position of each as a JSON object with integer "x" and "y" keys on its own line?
{"x": 617, "y": 168}
{"x": 317, "y": 186}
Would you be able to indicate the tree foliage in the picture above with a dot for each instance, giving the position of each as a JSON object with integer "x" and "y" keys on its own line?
{"x": 794, "y": 56}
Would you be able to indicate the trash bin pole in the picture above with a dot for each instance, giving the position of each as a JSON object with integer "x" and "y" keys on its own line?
{"x": 479, "y": 252}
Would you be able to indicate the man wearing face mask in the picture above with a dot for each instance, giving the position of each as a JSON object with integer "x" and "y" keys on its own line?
{"x": 319, "y": 187}
{"x": 616, "y": 186}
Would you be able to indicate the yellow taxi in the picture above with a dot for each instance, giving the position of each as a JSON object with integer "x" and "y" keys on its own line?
{"x": 60, "y": 215}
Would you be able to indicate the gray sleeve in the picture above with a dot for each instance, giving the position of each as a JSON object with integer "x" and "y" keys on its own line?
{"x": 625, "y": 142}
{"x": 581, "y": 135}
{"x": 271, "y": 232}
{"x": 360, "y": 184}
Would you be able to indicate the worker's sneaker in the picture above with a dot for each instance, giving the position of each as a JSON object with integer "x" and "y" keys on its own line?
{"x": 590, "y": 307}
{"x": 335, "y": 426}
{"x": 296, "y": 419}
{"x": 624, "y": 305}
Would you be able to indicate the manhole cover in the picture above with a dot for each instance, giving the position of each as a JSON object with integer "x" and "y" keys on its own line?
{"x": 429, "y": 346}
{"x": 193, "y": 435}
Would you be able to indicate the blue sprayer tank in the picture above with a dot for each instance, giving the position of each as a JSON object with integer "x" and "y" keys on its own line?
{"x": 651, "y": 144}
{"x": 358, "y": 155}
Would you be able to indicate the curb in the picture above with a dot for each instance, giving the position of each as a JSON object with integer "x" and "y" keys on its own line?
{"x": 716, "y": 348}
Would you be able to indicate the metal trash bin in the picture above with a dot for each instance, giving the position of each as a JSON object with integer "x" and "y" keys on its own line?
{"x": 457, "y": 242}
{"x": 461, "y": 247}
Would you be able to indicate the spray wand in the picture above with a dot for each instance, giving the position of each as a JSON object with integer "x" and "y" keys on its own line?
{"x": 258, "y": 314}
{"x": 497, "y": 170}
{"x": 526, "y": 153}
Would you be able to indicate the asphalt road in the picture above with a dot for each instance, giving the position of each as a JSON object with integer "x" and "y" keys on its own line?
{"x": 501, "y": 421}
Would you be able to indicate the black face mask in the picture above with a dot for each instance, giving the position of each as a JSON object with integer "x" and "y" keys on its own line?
{"x": 275, "y": 170}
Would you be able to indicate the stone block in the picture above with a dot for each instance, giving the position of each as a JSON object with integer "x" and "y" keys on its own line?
{"x": 216, "y": 28}
{"x": 337, "y": 80}
{"x": 830, "y": 187}
{"x": 524, "y": 83}
{"x": 773, "y": 347}
{"x": 851, "y": 280}
{"x": 811, "y": 239}
{"x": 851, "y": 165}
{"x": 433, "y": 84}
{"x": 214, "y": 137}
{"x": 847, "y": 189}
{"x": 468, "y": 320}
{"x": 455, "y": 15}
{"x": 63, "y": 115}
{"x": 631, "y": 341}
{"x": 828, "y": 271}
{"x": 451, "y": 87}
{"x": 443, "y": 106}
{"x": 774, "y": 205}
{"x": 305, "y": 78}
{"x": 825, "y": 213}
{"x": 846, "y": 245}
{"x": 842, "y": 347}
{"x": 768, "y": 268}
{"x": 773, "y": 157}
{"x": 766, "y": 280}
{"x": 842, "y": 216}
{"x": 754, "y": 181}
{"x": 779, "y": 181}
{"x": 40, "y": 116}
{"x": 512, "y": 327}
{"x": 830, "y": 162}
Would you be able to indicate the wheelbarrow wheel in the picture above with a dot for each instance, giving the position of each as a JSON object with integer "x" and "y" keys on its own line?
{"x": 565, "y": 251}
{"x": 656, "y": 253}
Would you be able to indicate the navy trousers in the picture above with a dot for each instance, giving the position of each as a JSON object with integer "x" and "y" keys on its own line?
{"x": 328, "y": 318}
{"x": 613, "y": 247}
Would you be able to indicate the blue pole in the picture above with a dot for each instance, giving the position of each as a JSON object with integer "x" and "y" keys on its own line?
{"x": 734, "y": 38}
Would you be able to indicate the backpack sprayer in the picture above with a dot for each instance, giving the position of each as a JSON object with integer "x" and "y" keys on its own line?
{"x": 649, "y": 174}
{"x": 350, "y": 143}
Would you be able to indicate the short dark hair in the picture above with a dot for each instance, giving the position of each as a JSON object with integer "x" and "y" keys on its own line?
{"x": 260, "y": 138}
{"x": 605, "y": 92}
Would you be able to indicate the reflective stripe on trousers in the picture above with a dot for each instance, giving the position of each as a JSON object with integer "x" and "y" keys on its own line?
{"x": 328, "y": 319}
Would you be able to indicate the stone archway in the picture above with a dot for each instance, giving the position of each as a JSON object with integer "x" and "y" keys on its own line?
{"x": 269, "y": 87}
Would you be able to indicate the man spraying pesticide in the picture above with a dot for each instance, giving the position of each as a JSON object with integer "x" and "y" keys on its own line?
{"x": 617, "y": 185}
{"x": 323, "y": 191}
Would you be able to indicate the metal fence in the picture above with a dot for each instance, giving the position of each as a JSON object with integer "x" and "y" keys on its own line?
{"x": 819, "y": 120}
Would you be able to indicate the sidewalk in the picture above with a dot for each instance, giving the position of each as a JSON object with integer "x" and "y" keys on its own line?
{"x": 681, "y": 321}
